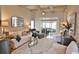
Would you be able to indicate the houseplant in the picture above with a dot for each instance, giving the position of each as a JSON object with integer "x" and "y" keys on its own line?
{"x": 67, "y": 25}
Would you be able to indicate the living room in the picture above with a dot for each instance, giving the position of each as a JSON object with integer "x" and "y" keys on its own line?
{"x": 48, "y": 23}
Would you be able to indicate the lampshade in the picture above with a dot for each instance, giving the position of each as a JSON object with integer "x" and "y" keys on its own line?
{"x": 4, "y": 24}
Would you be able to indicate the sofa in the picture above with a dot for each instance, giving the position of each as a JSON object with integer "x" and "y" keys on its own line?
{"x": 47, "y": 46}
{"x": 14, "y": 44}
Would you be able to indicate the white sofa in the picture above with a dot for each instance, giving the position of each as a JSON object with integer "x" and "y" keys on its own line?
{"x": 47, "y": 46}
{"x": 15, "y": 44}
{"x": 72, "y": 48}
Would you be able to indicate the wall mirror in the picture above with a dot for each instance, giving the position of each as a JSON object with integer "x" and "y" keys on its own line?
{"x": 17, "y": 21}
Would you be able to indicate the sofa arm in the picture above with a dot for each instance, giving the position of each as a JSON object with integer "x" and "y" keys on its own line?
{"x": 72, "y": 48}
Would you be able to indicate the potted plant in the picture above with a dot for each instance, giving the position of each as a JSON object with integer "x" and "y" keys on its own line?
{"x": 67, "y": 26}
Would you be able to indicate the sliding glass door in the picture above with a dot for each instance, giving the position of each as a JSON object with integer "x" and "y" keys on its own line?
{"x": 50, "y": 26}
{"x": 45, "y": 26}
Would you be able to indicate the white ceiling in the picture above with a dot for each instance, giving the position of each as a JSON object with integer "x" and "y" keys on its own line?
{"x": 46, "y": 8}
{"x": 49, "y": 10}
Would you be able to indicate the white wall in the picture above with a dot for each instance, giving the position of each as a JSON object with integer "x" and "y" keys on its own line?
{"x": 8, "y": 11}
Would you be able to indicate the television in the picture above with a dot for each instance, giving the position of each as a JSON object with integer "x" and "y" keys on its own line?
{"x": 17, "y": 21}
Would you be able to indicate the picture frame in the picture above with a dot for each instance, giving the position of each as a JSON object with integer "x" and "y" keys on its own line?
{"x": 17, "y": 21}
{"x": 73, "y": 20}
{"x": 75, "y": 23}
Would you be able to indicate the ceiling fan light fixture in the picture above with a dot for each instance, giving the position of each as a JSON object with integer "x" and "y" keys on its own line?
{"x": 43, "y": 13}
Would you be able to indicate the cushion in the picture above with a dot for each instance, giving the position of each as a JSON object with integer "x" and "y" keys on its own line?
{"x": 18, "y": 38}
{"x": 72, "y": 48}
{"x": 68, "y": 40}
